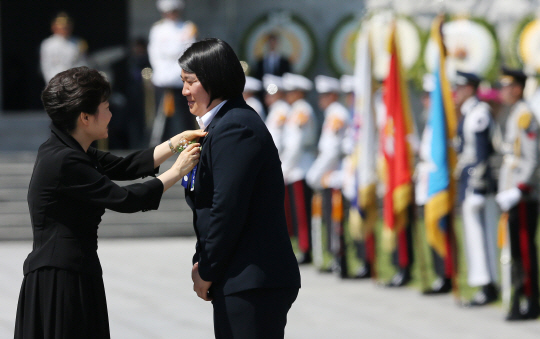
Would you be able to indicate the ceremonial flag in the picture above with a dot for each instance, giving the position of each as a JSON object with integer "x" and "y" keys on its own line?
{"x": 363, "y": 213}
{"x": 398, "y": 153}
{"x": 441, "y": 125}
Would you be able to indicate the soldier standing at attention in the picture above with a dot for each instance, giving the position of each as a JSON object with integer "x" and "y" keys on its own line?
{"x": 518, "y": 195}
{"x": 325, "y": 175}
{"x": 61, "y": 51}
{"x": 252, "y": 87}
{"x": 476, "y": 187}
{"x": 168, "y": 40}
{"x": 278, "y": 109}
{"x": 299, "y": 147}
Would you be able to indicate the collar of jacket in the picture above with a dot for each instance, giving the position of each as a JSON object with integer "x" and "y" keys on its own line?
{"x": 230, "y": 104}
{"x": 66, "y": 138}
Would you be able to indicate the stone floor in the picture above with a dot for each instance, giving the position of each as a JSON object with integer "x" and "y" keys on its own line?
{"x": 149, "y": 292}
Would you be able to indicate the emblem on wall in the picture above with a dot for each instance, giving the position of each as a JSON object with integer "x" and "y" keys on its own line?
{"x": 296, "y": 40}
{"x": 342, "y": 45}
{"x": 471, "y": 46}
{"x": 409, "y": 41}
{"x": 529, "y": 45}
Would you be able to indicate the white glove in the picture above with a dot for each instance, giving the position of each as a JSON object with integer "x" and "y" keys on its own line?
{"x": 508, "y": 198}
{"x": 476, "y": 201}
{"x": 335, "y": 180}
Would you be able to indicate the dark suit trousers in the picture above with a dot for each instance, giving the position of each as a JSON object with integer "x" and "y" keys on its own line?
{"x": 253, "y": 314}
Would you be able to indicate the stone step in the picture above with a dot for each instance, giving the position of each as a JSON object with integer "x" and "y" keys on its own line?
{"x": 173, "y": 218}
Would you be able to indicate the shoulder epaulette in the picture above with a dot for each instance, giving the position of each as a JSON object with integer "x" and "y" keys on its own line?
{"x": 524, "y": 120}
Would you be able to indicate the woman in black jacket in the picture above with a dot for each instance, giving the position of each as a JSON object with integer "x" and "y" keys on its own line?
{"x": 62, "y": 294}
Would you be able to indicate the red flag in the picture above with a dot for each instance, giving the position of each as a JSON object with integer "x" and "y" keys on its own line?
{"x": 397, "y": 151}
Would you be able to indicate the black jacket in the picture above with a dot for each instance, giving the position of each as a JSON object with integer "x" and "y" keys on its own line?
{"x": 69, "y": 192}
{"x": 238, "y": 206}
{"x": 283, "y": 66}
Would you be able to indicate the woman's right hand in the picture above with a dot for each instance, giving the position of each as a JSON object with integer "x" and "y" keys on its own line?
{"x": 187, "y": 159}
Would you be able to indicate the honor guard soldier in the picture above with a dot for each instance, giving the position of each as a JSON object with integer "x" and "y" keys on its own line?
{"x": 299, "y": 142}
{"x": 476, "y": 187}
{"x": 518, "y": 196}
{"x": 61, "y": 51}
{"x": 168, "y": 40}
{"x": 325, "y": 175}
{"x": 252, "y": 87}
{"x": 278, "y": 109}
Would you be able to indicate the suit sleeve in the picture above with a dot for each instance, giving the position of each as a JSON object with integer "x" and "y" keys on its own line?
{"x": 236, "y": 159}
{"x": 134, "y": 166}
{"x": 80, "y": 180}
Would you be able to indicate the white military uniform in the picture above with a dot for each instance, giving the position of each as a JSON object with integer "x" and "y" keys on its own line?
{"x": 167, "y": 42}
{"x": 299, "y": 140}
{"x": 275, "y": 122}
{"x": 518, "y": 195}
{"x": 58, "y": 54}
{"x": 278, "y": 112}
{"x": 253, "y": 86}
{"x": 480, "y": 213}
{"x": 299, "y": 145}
{"x": 326, "y": 171}
{"x": 520, "y": 148}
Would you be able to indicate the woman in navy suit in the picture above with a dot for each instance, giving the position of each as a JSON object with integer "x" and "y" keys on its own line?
{"x": 62, "y": 294}
{"x": 244, "y": 260}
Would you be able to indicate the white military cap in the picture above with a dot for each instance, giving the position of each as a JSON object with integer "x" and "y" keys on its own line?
{"x": 165, "y": 6}
{"x": 272, "y": 83}
{"x": 252, "y": 84}
{"x": 326, "y": 84}
{"x": 347, "y": 83}
{"x": 293, "y": 82}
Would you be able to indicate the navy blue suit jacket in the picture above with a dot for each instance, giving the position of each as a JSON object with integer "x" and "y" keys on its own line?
{"x": 238, "y": 206}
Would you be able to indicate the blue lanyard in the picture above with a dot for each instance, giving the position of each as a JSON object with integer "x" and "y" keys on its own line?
{"x": 194, "y": 171}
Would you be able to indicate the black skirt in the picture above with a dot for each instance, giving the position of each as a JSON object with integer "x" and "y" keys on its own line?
{"x": 56, "y": 303}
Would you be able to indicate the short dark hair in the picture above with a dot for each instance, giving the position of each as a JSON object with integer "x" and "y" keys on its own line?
{"x": 71, "y": 92}
{"x": 216, "y": 66}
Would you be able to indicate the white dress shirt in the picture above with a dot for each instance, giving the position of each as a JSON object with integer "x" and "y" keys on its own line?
{"x": 206, "y": 119}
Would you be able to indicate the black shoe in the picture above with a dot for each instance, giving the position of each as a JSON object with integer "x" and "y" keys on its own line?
{"x": 515, "y": 316}
{"x": 440, "y": 286}
{"x": 363, "y": 272}
{"x": 533, "y": 308}
{"x": 305, "y": 258}
{"x": 402, "y": 278}
{"x": 486, "y": 295}
{"x": 524, "y": 309}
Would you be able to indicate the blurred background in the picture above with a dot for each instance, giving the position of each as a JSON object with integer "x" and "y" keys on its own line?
{"x": 317, "y": 36}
